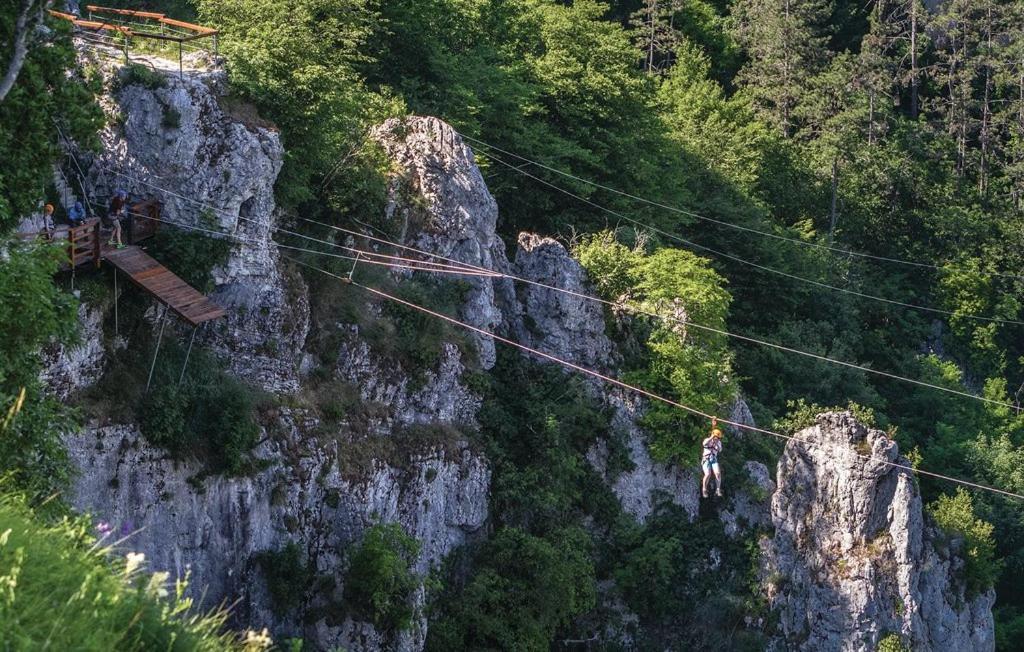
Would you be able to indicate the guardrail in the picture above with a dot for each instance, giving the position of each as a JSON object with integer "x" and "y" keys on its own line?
{"x": 128, "y": 24}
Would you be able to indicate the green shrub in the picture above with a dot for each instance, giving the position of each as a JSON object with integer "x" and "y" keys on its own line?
{"x": 380, "y": 583}
{"x": 192, "y": 255}
{"x": 955, "y": 515}
{"x": 892, "y": 643}
{"x": 163, "y": 418}
{"x": 172, "y": 118}
{"x": 136, "y": 74}
{"x": 210, "y": 417}
{"x": 523, "y": 590}
{"x": 803, "y": 415}
{"x": 287, "y": 575}
{"x": 59, "y": 590}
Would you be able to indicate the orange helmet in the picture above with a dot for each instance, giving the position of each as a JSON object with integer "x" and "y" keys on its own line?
{"x": 48, "y": 208}
{"x": 716, "y": 433}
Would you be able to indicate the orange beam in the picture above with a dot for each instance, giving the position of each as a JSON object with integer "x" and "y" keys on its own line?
{"x": 125, "y": 12}
{"x": 90, "y": 24}
{"x": 191, "y": 26}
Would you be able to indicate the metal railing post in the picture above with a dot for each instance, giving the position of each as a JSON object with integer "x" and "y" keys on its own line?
{"x": 117, "y": 331}
{"x": 188, "y": 353}
{"x": 156, "y": 352}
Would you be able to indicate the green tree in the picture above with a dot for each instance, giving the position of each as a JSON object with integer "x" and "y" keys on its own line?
{"x": 380, "y": 582}
{"x": 48, "y": 90}
{"x": 691, "y": 364}
{"x": 955, "y": 515}
{"x": 298, "y": 61}
{"x": 785, "y": 41}
{"x": 33, "y": 313}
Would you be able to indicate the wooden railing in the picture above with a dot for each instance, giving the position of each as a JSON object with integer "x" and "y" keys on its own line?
{"x": 143, "y": 221}
{"x": 127, "y": 24}
{"x": 84, "y": 244}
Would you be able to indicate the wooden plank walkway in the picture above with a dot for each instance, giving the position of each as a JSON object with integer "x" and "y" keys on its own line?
{"x": 167, "y": 287}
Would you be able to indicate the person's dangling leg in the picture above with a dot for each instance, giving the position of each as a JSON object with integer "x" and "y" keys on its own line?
{"x": 718, "y": 479}
{"x": 706, "y": 467}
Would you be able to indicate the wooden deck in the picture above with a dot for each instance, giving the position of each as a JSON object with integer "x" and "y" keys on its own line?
{"x": 166, "y": 286}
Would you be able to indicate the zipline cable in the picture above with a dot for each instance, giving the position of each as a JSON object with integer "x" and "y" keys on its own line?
{"x": 361, "y": 257}
{"x": 591, "y": 372}
{"x": 638, "y": 223}
{"x": 683, "y": 322}
{"x": 731, "y": 225}
{"x": 465, "y": 269}
{"x": 743, "y": 261}
{"x": 651, "y": 395}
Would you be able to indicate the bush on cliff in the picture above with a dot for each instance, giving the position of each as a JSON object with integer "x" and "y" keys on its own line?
{"x": 59, "y": 589}
{"x": 380, "y": 582}
{"x": 955, "y": 515}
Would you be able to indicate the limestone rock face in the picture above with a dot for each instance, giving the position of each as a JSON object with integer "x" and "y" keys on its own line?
{"x": 213, "y": 527}
{"x": 853, "y": 560}
{"x": 68, "y": 369}
{"x": 563, "y": 325}
{"x": 438, "y": 396}
{"x": 210, "y": 171}
{"x": 444, "y": 207}
{"x": 642, "y": 487}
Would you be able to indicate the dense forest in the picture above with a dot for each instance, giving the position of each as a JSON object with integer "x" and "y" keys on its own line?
{"x": 844, "y": 178}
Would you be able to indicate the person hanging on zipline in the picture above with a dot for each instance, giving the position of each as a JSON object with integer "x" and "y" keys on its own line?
{"x": 709, "y": 459}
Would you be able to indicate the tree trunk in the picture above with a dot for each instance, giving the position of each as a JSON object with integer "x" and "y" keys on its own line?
{"x": 833, "y": 213}
{"x": 986, "y": 108}
{"x": 913, "y": 60}
{"x": 871, "y": 120}
{"x": 29, "y": 17}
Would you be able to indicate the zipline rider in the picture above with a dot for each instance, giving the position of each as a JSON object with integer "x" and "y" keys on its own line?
{"x": 709, "y": 459}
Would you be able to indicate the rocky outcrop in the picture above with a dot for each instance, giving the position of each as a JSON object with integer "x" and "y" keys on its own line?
{"x": 213, "y": 527}
{"x": 566, "y": 326}
{"x": 573, "y": 329}
{"x": 173, "y": 142}
{"x": 853, "y": 558}
{"x": 70, "y": 368}
{"x": 442, "y": 205}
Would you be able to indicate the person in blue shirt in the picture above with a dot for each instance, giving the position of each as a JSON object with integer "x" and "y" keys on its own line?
{"x": 76, "y": 216}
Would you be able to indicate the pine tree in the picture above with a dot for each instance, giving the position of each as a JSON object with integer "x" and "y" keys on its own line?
{"x": 895, "y": 45}
{"x": 786, "y": 43}
{"x": 1008, "y": 117}
{"x": 655, "y": 33}
{"x": 971, "y": 40}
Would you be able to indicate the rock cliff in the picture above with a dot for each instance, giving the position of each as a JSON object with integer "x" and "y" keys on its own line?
{"x": 174, "y": 142}
{"x": 851, "y": 557}
{"x": 854, "y": 559}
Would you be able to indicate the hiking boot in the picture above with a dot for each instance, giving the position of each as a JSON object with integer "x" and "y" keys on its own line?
{"x": 121, "y": 245}
{"x": 704, "y": 493}
{"x": 718, "y": 493}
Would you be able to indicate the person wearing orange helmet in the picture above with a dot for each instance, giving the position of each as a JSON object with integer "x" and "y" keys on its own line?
{"x": 48, "y": 218}
{"x": 709, "y": 459}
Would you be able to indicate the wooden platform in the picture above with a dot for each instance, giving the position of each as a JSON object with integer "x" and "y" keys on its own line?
{"x": 163, "y": 284}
